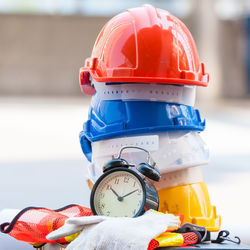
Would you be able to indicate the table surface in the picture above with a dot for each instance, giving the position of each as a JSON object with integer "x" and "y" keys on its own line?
{"x": 224, "y": 245}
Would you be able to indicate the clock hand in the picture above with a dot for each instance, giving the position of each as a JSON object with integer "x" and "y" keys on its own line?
{"x": 119, "y": 198}
{"x": 129, "y": 193}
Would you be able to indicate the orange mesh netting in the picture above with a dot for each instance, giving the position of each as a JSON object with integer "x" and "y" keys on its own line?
{"x": 32, "y": 224}
{"x": 190, "y": 238}
{"x": 153, "y": 244}
{"x": 173, "y": 239}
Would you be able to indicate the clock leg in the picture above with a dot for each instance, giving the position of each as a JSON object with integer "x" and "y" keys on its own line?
{"x": 184, "y": 192}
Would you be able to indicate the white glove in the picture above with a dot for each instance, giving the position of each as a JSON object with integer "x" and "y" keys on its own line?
{"x": 120, "y": 233}
{"x": 75, "y": 225}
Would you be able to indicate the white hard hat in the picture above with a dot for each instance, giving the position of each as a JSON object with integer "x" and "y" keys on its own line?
{"x": 171, "y": 151}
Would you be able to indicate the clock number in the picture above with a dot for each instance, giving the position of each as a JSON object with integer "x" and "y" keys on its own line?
{"x": 108, "y": 187}
{"x": 134, "y": 184}
{"x": 116, "y": 181}
{"x": 126, "y": 179}
{"x": 102, "y": 206}
{"x": 134, "y": 212}
{"x": 108, "y": 213}
{"x": 102, "y": 195}
{"x": 139, "y": 192}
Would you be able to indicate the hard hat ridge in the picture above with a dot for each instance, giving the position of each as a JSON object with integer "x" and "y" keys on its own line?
{"x": 145, "y": 44}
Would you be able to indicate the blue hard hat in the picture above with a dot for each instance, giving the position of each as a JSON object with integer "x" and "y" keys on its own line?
{"x": 117, "y": 118}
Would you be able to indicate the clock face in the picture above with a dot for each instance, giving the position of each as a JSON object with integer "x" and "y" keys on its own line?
{"x": 118, "y": 193}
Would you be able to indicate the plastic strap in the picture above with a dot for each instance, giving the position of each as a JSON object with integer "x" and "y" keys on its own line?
{"x": 112, "y": 146}
{"x": 184, "y": 176}
{"x": 154, "y": 92}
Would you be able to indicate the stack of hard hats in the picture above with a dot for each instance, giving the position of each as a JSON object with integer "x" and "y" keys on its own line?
{"x": 142, "y": 74}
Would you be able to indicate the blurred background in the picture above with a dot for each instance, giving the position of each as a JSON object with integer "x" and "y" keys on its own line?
{"x": 43, "y": 44}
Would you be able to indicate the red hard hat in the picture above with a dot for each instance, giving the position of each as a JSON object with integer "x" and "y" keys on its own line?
{"x": 144, "y": 44}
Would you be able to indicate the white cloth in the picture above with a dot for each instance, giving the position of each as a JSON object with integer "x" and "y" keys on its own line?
{"x": 120, "y": 233}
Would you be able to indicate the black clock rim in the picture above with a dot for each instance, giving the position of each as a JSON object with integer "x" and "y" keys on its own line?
{"x": 141, "y": 210}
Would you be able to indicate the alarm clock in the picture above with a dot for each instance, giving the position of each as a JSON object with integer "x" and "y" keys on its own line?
{"x": 122, "y": 192}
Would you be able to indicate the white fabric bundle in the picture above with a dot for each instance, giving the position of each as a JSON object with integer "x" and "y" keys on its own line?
{"x": 105, "y": 233}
